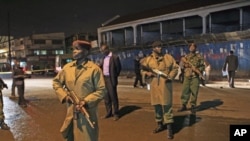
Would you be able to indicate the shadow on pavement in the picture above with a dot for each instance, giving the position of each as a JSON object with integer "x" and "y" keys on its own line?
{"x": 184, "y": 121}
{"x": 209, "y": 104}
{"x": 128, "y": 109}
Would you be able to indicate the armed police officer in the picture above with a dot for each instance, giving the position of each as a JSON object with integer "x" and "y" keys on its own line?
{"x": 161, "y": 69}
{"x": 193, "y": 68}
{"x": 83, "y": 80}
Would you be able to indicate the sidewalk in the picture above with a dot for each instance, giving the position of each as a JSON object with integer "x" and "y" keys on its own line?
{"x": 240, "y": 83}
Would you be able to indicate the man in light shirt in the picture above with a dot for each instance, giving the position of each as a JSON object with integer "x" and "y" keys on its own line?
{"x": 111, "y": 67}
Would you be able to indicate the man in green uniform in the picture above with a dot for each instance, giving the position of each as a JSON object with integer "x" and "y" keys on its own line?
{"x": 193, "y": 66}
{"x": 85, "y": 79}
{"x": 161, "y": 69}
{"x": 3, "y": 125}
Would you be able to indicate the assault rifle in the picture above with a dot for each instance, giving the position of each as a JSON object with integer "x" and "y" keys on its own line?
{"x": 155, "y": 71}
{"x": 83, "y": 110}
{"x": 193, "y": 68}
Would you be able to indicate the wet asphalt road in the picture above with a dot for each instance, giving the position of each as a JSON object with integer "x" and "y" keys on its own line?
{"x": 219, "y": 106}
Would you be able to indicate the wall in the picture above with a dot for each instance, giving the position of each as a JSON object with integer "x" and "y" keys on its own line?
{"x": 214, "y": 53}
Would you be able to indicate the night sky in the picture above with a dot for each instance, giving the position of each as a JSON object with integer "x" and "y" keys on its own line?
{"x": 29, "y": 17}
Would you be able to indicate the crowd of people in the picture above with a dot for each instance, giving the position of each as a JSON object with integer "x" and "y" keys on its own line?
{"x": 82, "y": 84}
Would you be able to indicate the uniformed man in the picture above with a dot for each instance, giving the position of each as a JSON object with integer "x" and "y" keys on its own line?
{"x": 3, "y": 125}
{"x": 85, "y": 79}
{"x": 161, "y": 69}
{"x": 193, "y": 68}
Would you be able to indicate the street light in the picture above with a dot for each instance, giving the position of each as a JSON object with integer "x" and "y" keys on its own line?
{"x": 9, "y": 55}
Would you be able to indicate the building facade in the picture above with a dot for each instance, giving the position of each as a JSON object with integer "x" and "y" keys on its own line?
{"x": 6, "y": 43}
{"x": 177, "y": 21}
{"x": 217, "y": 26}
{"x": 38, "y": 51}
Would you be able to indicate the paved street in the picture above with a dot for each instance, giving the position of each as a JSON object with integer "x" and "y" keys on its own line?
{"x": 219, "y": 106}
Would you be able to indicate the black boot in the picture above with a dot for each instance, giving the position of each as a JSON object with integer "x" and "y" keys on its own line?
{"x": 160, "y": 127}
{"x": 4, "y": 126}
{"x": 193, "y": 110}
{"x": 170, "y": 131}
{"x": 183, "y": 108}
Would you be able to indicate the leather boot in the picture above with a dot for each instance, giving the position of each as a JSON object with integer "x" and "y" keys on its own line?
{"x": 159, "y": 128}
{"x": 183, "y": 108}
{"x": 170, "y": 131}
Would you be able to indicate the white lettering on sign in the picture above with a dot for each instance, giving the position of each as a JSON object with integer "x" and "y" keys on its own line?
{"x": 240, "y": 132}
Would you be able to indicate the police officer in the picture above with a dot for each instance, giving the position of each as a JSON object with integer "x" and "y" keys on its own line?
{"x": 3, "y": 125}
{"x": 193, "y": 68}
{"x": 161, "y": 86}
{"x": 86, "y": 80}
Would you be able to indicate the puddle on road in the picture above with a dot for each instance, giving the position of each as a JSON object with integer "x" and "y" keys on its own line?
{"x": 27, "y": 124}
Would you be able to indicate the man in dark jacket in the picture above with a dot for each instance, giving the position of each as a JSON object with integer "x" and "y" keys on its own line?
{"x": 137, "y": 69}
{"x": 18, "y": 79}
{"x": 111, "y": 68}
{"x": 231, "y": 63}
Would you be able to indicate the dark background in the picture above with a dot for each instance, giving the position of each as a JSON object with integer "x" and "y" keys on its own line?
{"x": 70, "y": 16}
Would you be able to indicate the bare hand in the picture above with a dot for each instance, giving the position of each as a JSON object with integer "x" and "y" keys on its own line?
{"x": 80, "y": 105}
{"x": 183, "y": 59}
{"x": 186, "y": 65}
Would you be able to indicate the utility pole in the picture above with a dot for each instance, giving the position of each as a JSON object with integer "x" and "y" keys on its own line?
{"x": 9, "y": 55}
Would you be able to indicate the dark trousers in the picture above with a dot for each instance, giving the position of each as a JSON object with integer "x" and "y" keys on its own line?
{"x": 138, "y": 77}
{"x": 20, "y": 91}
{"x": 13, "y": 86}
{"x": 231, "y": 75}
{"x": 111, "y": 98}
